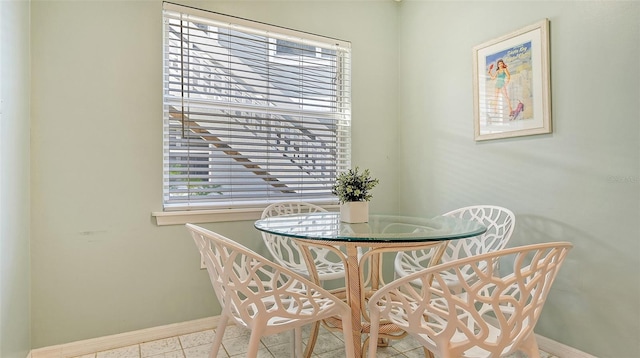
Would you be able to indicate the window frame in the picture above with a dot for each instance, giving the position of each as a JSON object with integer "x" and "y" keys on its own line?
{"x": 193, "y": 212}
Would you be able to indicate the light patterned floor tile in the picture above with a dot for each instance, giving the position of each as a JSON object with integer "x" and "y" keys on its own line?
{"x": 233, "y": 331}
{"x": 197, "y": 339}
{"x": 415, "y": 353}
{"x": 281, "y": 350}
{"x": 174, "y": 354}
{"x": 327, "y": 342}
{"x": 236, "y": 341}
{"x": 124, "y": 352}
{"x": 237, "y": 345}
{"x": 388, "y": 351}
{"x": 203, "y": 352}
{"x": 277, "y": 339}
{"x": 338, "y": 353}
{"x": 522, "y": 355}
{"x": 262, "y": 353}
{"x": 405, "y": 344}
{"x": 152, "y": 348}
{"x": 384, "y": 352}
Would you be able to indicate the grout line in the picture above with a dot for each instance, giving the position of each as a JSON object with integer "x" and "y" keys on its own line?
{"x": 139, "y": 346}
{"x": 92, "y": 347}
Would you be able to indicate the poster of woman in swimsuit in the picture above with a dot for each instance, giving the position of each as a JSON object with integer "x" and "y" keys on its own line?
{"x": 511, "y": 84}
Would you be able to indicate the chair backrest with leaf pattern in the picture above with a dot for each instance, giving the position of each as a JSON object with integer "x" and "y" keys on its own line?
{"x": 491, "y": 312}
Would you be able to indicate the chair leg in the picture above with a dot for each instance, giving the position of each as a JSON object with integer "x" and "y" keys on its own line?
{"x": 347, "y": 331}
{"x": 428, "y": 353}
{"x": 373, "y": 333}
{"x": 364, "y": 348}
{"x": 313, "y": 338}
{"x": 296, "y": 346}
{"x": 530, "y": 346}
{"x": 217, "y": 341}
{"x": 254, "y": 343}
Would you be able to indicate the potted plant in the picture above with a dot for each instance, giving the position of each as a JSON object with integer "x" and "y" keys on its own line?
{"x": 353, "y": 189}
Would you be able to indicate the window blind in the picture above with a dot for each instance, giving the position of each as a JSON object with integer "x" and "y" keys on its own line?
{"x": 253, "y": 113}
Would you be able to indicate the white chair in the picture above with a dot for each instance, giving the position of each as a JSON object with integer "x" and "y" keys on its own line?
{"x": 493, "y": 316}
{"x": 499, "y": 221}
{"x": 263, "y": 296}
{"x": 288, "y": 254}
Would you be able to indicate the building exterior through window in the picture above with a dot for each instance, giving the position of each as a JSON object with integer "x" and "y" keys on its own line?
{"x": 253, "y": 113}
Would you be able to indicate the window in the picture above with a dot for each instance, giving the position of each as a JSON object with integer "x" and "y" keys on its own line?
{"x": 253, "y": 113}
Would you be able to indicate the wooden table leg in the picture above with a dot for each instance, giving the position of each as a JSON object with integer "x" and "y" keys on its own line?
{"x": 353, "y": 296}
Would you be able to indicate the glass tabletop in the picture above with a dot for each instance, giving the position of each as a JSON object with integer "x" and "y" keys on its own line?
{"x": 380, "y": 228}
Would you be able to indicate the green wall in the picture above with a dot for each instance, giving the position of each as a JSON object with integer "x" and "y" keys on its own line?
{"x": 100, "y": 264}
{"x": 15, "y": 272}
{"x": 580, "y": 184}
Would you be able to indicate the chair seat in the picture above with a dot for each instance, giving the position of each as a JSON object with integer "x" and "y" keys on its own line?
{"x": 326, "y": 271}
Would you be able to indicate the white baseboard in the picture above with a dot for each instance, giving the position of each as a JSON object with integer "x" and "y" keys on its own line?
{"x": 87, "y": 346}
{"x": 559, "y": 349}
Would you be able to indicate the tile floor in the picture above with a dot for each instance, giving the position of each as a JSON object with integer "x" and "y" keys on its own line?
{"x": 236, "y": 339}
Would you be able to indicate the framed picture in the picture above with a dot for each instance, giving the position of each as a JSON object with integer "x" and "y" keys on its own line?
{"x": 511, "y": 84}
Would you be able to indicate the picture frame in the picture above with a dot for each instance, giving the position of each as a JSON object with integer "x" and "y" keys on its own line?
{"x": 511, "y": 84}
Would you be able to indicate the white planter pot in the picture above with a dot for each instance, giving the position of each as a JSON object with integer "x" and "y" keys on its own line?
{"x": 354, "y": 212}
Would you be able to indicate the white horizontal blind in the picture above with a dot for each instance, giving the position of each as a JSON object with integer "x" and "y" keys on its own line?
{"x": 253, "y": 113}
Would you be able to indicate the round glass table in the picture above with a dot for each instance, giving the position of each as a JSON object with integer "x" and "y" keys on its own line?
{"x": 380, "y": 228}
{"x": 364, "y": 244}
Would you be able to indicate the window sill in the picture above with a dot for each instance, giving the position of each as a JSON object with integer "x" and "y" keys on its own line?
{"x": 181, "y": 217}
{"x": 205, "y": 216}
